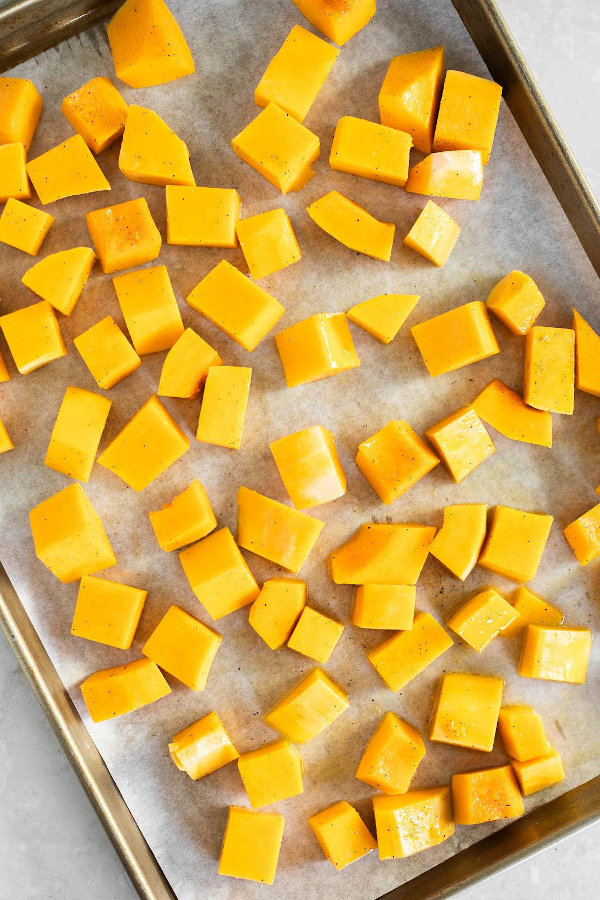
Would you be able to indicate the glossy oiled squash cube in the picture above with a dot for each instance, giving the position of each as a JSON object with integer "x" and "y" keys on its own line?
{"x": 20, "y": 109}
{"x": 107, "y": 612}
{"x": 251, "y": 845}
{"x": 268, "y": 242}
{"x": 150, "y": 309}
{"x": 394, "y": 459}
{"x": 203, "y": 747}
{"x": 339, "y": 20}
{"x": 382, "y": 554}
{"x": 271, "y": 773}
{"x": 468, "y": 114}
{"x": 515, "y": 543}
{"x": 315, "y": 635}
{"x": 224, "y": 404}
{"x": 97, "y": 111}
{"x": 537, "y": 774}
{"x": 434, "y": 234}
{"x": 352, "y": 225}
{"x": 412, "y": 822}
{"x": 186, "y": 366}
{"x": 67, "y": 170}
{"x": 316, "y": 348}
{"x": 517, "y": 301}
{"x": 457, "y": 174}
{"x": 109, "y": 693}
{"x": 107, "y": 353}
{"x": 342, "y": 834}
{"x": 522, "y": 733}
{"x": 202, "y": 216}
{"x": 33, "y": 336}
{"x": 587, "y": 356}
{"x": 308, "y": 708}
{"x": 466, "y": 710}
{"x": 187, "y": 518}
{"x": 557, "y": 653}
{"x": 387, "y": 606}
{"x": 584, "y": 535}
{"x": 462, "y": 442}
{"x": 309, "y": 466}
{"x": 14, "y": 181}
{"x": 60, "y": 277}
{"x": 458, "y": 543}
{"x": 183, "y": 647}
{"x": 482, "y": 618}
{"x": 506, "y": 411}
{"x": 151, "y": 153}
{"x": 274, "y": 613}
{"x": 392, "y": 756}
{"x": 77, "y": 432}
{"x": 532, "y": 611}
{"x": 218, "y": 574}
{"x": 124, "y": 235}
{"x": 410, "y": 94}
{"x": 402, "y": 657}
{"x": 456, "y": 338}
{"x": 549, "y": 373}
{"x": 383, "y": 316}
{"x": 23, "y": 227}
{"x": 370, "y": 150}
{"x": 486, "y": 796}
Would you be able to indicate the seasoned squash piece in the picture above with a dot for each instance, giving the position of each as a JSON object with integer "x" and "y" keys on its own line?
{"x": 556, "y": 654}
{"x": 549, "y": 374}
{"x": 251, "y": 845}
{"x": 394, "y": 459}
{"x": 532, "y": 611}
{"x": 186, "y": 366}
{"x": 107, "y": 612}
{"x": 515, "y": 543}
{"x": 77, "y": 432}
{"x": 67, "y": 170}
{"x": 583, "y": 534}
{"x": 24, "y": 227}
{"x": 97, "y": 111}
{"x": 309, "y": 466}
{"x": 124, "y": 235}
{"x": 113, "y": 692}
{"x": 410, "y": 93}
{"x": 486, "y": 796}
{"x": 587, "y": 356}
{"x": 183, "y": 647}
{"x": 20, "y": 109}
{"x": 370, "y": 150}
{"x": 203, "y": 747}
{"x": 383, "y": 316}
{"x": 4, "y": 373}
{"x": 6, "y": 442}
{"x": 384, "y": 606}
{"x": 268, "y": 242}
{"x": 151, "y": 153}
{"x": 482, "y": 618}
{"x": 517, "y": 301}
{"x": 412, "y": 822}
{"x": 315, "y": 635}
{"x": 434, "y": 234}
{"x": 506, "y": 411}
{"x": 33, "y": 336}
{"x": 274, "y": 613}
{"x": 462, "y": 442}
{"x": 458, "y": 543}
{"x": 342, "y": 834}
{"x": 271, "y": 773}
{"x": 202, "y": 216}
{"x": 382, "y": 554}
{"x": 107, "y": 353}
{"x": 402, "y": 657}
{"x": 456, "y": 174}
{"x": 14, "y": 181}
{"x": 522, "y": 732}
{"x": 316, "y": 348}
{"x": 466, "y": 710}
{"x": 536, "y": 774}
{"x": 309, "y": 708}
{"x": 60, "y": 277}
{"x": 468, "y": 114}
{"x": 339, "y": 20}
{"x": 392, "y": 756}
{"x": 187, "y": 518}
{"x": 224, "y": 404}
{"x": 150, "y": 309}
{"x": 352, "y": 225}
{"x": 456, "y": 338}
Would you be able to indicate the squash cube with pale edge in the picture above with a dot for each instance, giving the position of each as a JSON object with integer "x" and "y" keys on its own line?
{"x": 587, "y": 356}
{"x": 410, "y": 93}
{"x": 224, "y": 404}
{"x": 458, "y": 543}
{"x": 352, "y": 225}
{"x": 342, "y": 834}
{"x": 515, "y": 543}
{"x": 394, "y": 459}
{"x": 68, "y": 535}
{"x": 402, "y": 657}
{"x": 124, "y": 235}
{"x": 309, "y": 708}
{"x": 315, "y": 635}
{"x": 549, "y": 372}
{"x": 146, "y": 446}
{"x": 97, "y": 111}
{"x": 271, "y": 773}
{"x": 412, "y": 822}
{"x": 77, "y": 432}
{"x": 203, "y": 747}
{"x": 468, "y": 114}
{"x": 337, "y": 21}
{"x": 274, "y": 531}
{"x": 183, "y": 647}
{"x": 482, "y": 618}
{"x": 107, "y": 612}
{"x": 60, "y": 277}
{"x": 218, "y": 574}
{"x": 392, "y": 756}
{"x": 274, "y": 613}
{"x": 536, "y": 774}
{"x": 522, "y": 732}
{"x": 486, "y": 796}
{"x": 186, "y": 366}
{"x": 202, "y": 216}
{"x": 316, "y": 348}
{"x": 517, "y": 301}
{"x": 150, "y": 309}
{"x": 506, "y": 411}
{"x": 309, "y": 466}
{"x": 279, "y": 148}
{"x": 240, "y": 308}
{"x": 466, "y": 711}
{"x": 268, "y": 242}
{"x": 187, "y": 518}
{"x": 383, "y": 316}
{"x": 6, "y": 442}
{"x": 390, "y": 607}
{"x": 434, "y": 234}
{"x": 382, "y": 554}
{"x": 456, "y": 174}
{"x": 560, "y": 653}
{"x": 67, "y": 170}
{"x": 20, "y": 109}
{"x": 147, "y": 44}
{"x": 13, "y": 174}
{"x": 114, "y": 692}
{"x": 23, "y": 227}
{"x": 107, "y": 353}
{"x": 532, "y": 611}
{"x": 370, "y": 150}
{"x": 584, "y": 535}
{"x": 33, "y": 336}
{"x": 456, "y": 338}
{"x": 296, "y": 73}
{"x": 462, "y": 442}
{"x": 251, "y": 845}
{"x": 151, "y": 153}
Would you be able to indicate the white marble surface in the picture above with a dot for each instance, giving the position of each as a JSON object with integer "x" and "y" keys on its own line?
{"x": 52, "y": 846}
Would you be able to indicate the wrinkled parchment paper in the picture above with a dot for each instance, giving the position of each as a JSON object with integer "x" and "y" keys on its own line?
{"x": 517, "y": 224}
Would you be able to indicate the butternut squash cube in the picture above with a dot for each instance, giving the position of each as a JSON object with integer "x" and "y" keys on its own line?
{"x": 274, "y": 613}
{"x": 24, "y": 227}
{"x": 456, "y": 338}
{"x": 68, "y": 535}
{"x": 183, "y": 647}
{"x": 383, "y": 316}
{"x": 146, "y": 446}
{"x": 77, "y": 432}
{"x": 338, "y": 20}
{"x": 536, "y": 774}
{"x": 394, "y": 459}
{"x": 386, "y": 606}
{"x": 20, "y": 109}
{"x": 458, "y": 543}
{"x": 517, "y": 301}
{"x": 342, "y": 834}
{"x": 410, "y": 94}
{"x": 532, "y": 611}
{"x": 462, "y": 442}
{"x": 6, "y": 442}
{"x": 218, "y": 574}
{"x": 309, "y": 466}
{"x": 466, "y": 710}
{"x": 187, "y": 518}
{"x": 150, "y": 309}
{"x": 271, "y": 773}
{"x": 97, "y": 112}
{"x": 279, "y": 148}
{"x": 13, "y": 174}
{"x": 151, "y": 153}
{"x": 224, "y": 404}
{"x": 33, "y": 336}
{"x": 405, "y": 655}
{"x": 296, "y": 73}
{"x": 315, "y": 635}
{"x": 202, "y": 216}
{"x": 309, "y": 708}
{"x": 587, "y": 356}
{"x": 124, "y": 235}
{"x": 147, "y": 45}
{"x": 4, "y": 373}
{"x": 515, "y": 543}
{"x": 434, "y": 234}
{"x": 393, "y": 553}
{"x": 352, "y": 225}
{"x": 186, "y": 366}
{"x": 251, "y": 845}
{"x": 584, "y": 535}
{"x": 248, "y": 315}
{"x": 392, "y": 756}
{"x": 109, "y": 693}
{"x": 107, "y": 612}
{"x": 107, "y": 353}
{"x": 549, "y": 375}
{"x": 482, "y": 618}
{"x": 468, "y": 114}
{"x": 506, "y": 411}
{"x": 67, "y": 170}
{"x": 203, "y": 747}
{"x": 560, "y": 653}
{"x": 412, "y": 822}
{"x": 268, "y": 242}
{"x": 60, "y": 277}
{"x": 456, "y": 174}
{"x": 316, "y": 348}
{"x": 522, "y": 733}
{"x": 370, "y": 150}
{"x": 486, "y": 796}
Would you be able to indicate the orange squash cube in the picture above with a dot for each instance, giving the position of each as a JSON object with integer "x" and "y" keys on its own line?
{"x": 186, "y": 366}
{"x": 468, "y": 114}
{"x": 97, "y": 111}
{"x": 458, "y": 543}
{"x": 456, "y": 174}
{"x": 587, "y": 356}
{"x": 268, "y": 242}
{"x": 390, "y": 607}
{"x": 60, "y": 277}
{"x": 462, "y": 442}
{"x": 6, "y": 442}
{"x": 560, "y": 653}
{"x": 456, "y": 338}
{"x": 486, "y": 796}
{"x": 33, "y": 336}
{"x": 150, "y": 309}
{"x": 109, "y": 693}
{"x": 315, "y": 635}
{"x": 316, "y": 348}
{"x": 517, "y": 301}
{"x": 342, "y": 834}
{"x": 549, "y": 373}
{"x": 67, "y": 170}
{"x": 370, "y": 150}
{"x": 107, "y": 612}
{"x": 393, "y": 553}
{"x": 308, "y": 708}
{"x": 352, "y": 225}
{"x": 24, "y": 227}
{"x": 124, "y": 235}
{"x": 203, "y": 747}
{"x": 151, "y": 153}
{"x": 77, "y": 432}
{"x": 482, "y": 618}
{"x": 187, "y": 518}
{"x": 434, "y": 234}
{"x": 402, "y": 657}
{"x": 271, "y": 773}
{"x": 20, "y": 109}
{"x": 218, "y": 574}
{"x": 584, "y": 535}
{"x": 383, "y": 316}
{"x": 107, "y": 353}
{"x": 537, "y": 774}
{"x": 394, "y": 459}
{"x": 183, "y": 647}
{"x": 522, "y": 733}
{"x": 412, "y": 822}
{"x": 14, "y": 181}
{"x": 466, "y": 711}
{"x": 251, "y": 845}
{"x": 309, "y": 466}
{"x": 532, "y": 611}
{"x": 224, "y": 404}
{"x": 392, "y": 756}
{"x": 202, "y": 216}
{"x": 338, "y": 20}
{"x": 274, "y": 613}
{"x": 506, "y": 411}
{"x": 410, "y": 94}
{"x": 515, "y": 543}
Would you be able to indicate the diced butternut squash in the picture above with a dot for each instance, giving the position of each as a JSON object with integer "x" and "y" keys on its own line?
{"x": 587, "y": 356}
{"x": 107, "y": 353}
{"x": 97, "y": 111}
{"x": 462, "y": 442}
{"x": 549, "y": 375}
{"x": 224, "y": 404}
{"x": 186, "y": 366}
{"x": 466, "y": 710}
{"x": 109, "y": 693}
{"x": 515, "y": 543}
{"x": 183, "y": 647}
{"x": 468, "y": 114}
{"x": 342, "y": 834}
{"x": 203, "y": 747}
{"x": 522, "y": 732}
{"x": 23, "y": 227}
{"x": 218, "y": 574}
{"x": 316, "y": 348}
{"x": 124, "y": 235}
{"x": 383, "y": 316}
{"x": 77, "y": 432}
{"x": 6, "y": 442}
{"x": 583, "y": 535}
{"x": 537, "y": 774}
{"x": 339, "y": 20}
{"x": 150, "y": 309}
{"x": 560, "y": 653}
{"x": 14, "y": 181}
{"x": 274, "y": 613}
{"x": 392, "y": 756}
{"x": 370, "y": 150}
{"x": 517, "y": 301}
{"x": 107, "y": 612}
{"x": 456, "y": 338}
{"x": 33, "y": 336}
{"x": 402, "y": 657}
{"x": 20, "y": 109}
{"x": 352, "y": 225}
{"x": 271, "y": 773}
{"x": 482, "y": 618}
{"x": 532, "y": 611}
{"x": 412, "y": 822}
{"x": 67, "y": 170}
{"x": 458, "y": 543}
{"x": 268, "y": 242}
{"x": 506, "y": 411}
{"x": 434, "y": 234}
{"x": 251, "y": 845}
{"x": 202, "y": 216}
{"x": 379, "y": 553}
{"x": 410, "y": 93}
{"x": 187, "y": 518}
{"x": 309, "y": 466}
{"x": 394, "y": 459}
{"x": 386, "y": 606}
{"x": 151, "y": 153}
{"x": 456, "y": 174}
{"x": 486, "y": 796}
{"x": 309, "y": 708}
{"x": 4, "y": 373}
{"x": 315, "y": 635}
{"x": 60, "y": 277}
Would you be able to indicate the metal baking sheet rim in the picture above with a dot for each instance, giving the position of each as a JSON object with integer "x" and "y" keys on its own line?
{"x": 28, "y": 27}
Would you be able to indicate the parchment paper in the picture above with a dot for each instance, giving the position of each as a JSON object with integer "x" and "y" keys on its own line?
{"x": 517, "y": 224}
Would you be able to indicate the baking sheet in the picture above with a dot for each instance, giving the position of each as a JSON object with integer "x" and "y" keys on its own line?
{"x": 517, "y": 224}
